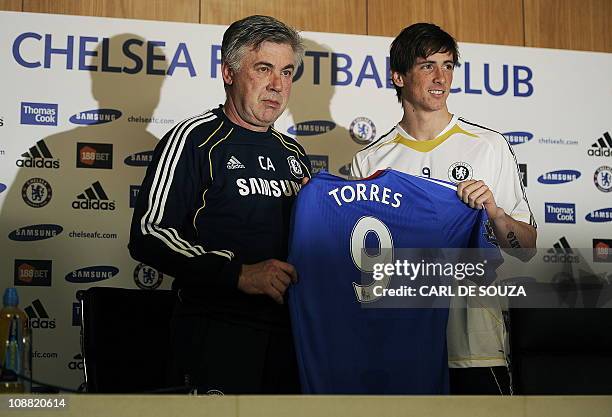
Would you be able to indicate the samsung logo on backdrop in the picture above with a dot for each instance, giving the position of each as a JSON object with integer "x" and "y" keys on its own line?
{"x": 2, "y": 187}
{"x": 92, "y": 274}
{"x": 35, "y": 232}
{"x": 140, "y": 159}
{"x": 517, "y": 138}
{"x": 559, "y": 177}
{"x": 95, "y": 117}
{"x": 600, "y": 216}
{"x": 311, "y": 128}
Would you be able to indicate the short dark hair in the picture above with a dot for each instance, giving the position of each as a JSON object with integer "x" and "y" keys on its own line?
{"x": 250, "y": 32}
{"x": 420, "y": 40}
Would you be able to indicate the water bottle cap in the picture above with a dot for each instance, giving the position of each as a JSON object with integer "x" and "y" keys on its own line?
{"x": 11, "y": 298}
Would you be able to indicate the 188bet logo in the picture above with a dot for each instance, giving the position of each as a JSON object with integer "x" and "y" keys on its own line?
{"x": 147, "y": 278}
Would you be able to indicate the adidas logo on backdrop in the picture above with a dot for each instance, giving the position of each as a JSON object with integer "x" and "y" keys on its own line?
{"x": 38, "y": 318}
{"x": 39, "y": 156}
{"x": 94, "y": 198}
{"x": 603, "y": 146}
{"x": 561, "y": 252}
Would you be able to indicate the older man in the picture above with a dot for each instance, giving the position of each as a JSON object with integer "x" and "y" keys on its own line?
{"x": 213, "y": 212}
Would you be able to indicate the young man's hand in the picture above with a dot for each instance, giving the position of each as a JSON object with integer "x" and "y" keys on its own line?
{"x": 477, "y": 195}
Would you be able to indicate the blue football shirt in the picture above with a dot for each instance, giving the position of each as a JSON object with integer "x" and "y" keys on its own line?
{"x": 340, "y": 228}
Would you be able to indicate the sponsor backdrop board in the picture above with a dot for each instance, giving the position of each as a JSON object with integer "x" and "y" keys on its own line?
{"x": 85, "y": 100}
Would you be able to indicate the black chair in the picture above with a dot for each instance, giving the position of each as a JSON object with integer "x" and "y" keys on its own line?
{"x": 561, "y": 351}
{"x": 125, "y": 338}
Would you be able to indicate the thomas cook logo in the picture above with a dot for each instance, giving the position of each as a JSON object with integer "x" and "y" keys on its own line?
{"x": 311, "y": 128}
{"x": 600, "y": 216}
{"x": 42, "y": 114}
{"x": 39, "y": 156}
{"x": 95, "y": 117}
{"x": 518, "y": 138}
{"x": 362, "y": 130}
{"x": 94, "y": 198}
{"x": 38, "y": 318}
{"x": 35, "y": 232}
{"x": 147, "y": 278}
{"x": 36, "y": 192}
{"x": 92, "y": 274}
{"x": 141, "y": 159}
{"x": 94, "y": 155}
{"x": 560, "y": 213}
{"x": 318, "y": 163}
{"x": 33, "y": 272}
{"x": 602, "y": 147}
{"x": 460, "y": 171}
{"x": 603, "y": 179}
{"x": 559, "y": 177}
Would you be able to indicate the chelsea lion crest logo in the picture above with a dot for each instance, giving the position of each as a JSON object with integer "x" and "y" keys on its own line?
{"x": 295, "y": 168}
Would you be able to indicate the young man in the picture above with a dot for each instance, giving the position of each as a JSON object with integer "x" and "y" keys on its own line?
{"x": 430, "y": 141}
{"x": 213, "y": 212}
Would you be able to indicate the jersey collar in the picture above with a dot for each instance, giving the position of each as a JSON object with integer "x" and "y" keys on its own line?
{"x": 451, "y": 128}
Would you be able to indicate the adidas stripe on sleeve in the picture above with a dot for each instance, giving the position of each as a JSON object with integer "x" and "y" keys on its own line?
{"x": 160, "y": 233}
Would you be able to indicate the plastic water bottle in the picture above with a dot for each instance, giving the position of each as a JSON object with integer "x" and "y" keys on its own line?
{"x": 15, "y": 345}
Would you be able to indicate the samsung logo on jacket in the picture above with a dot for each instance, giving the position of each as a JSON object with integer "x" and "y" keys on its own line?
{"x": 270, "y": 188}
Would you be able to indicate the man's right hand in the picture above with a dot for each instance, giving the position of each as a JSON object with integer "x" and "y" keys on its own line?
{"x": 270, "y": 277}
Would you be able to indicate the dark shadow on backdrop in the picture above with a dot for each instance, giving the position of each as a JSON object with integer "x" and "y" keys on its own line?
{"x": 134, "y": 95}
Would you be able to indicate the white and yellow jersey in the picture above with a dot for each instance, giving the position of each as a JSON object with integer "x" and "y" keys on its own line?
{"x": 462, "y": 151}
